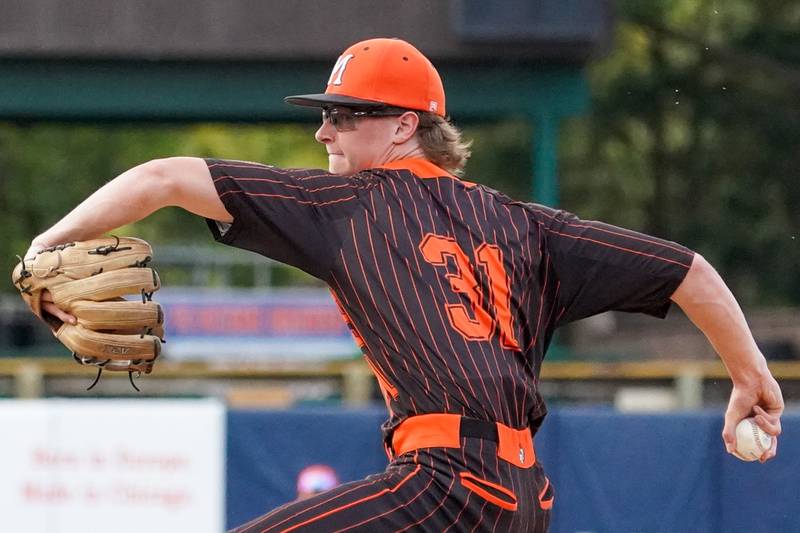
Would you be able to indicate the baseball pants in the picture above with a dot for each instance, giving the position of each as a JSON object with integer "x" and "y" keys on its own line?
{"x": 431, "y": 489}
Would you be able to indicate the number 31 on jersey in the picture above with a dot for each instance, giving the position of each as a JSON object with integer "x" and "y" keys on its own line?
{"x": 435, "y": 250}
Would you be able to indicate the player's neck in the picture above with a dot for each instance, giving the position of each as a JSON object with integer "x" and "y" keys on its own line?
{"x": 405, "y": 151}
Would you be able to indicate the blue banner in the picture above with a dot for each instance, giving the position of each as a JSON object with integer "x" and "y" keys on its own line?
{"x": 270, "y": 325}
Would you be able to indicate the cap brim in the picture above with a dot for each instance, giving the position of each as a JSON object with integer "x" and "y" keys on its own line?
{"x": 324, "y": 100}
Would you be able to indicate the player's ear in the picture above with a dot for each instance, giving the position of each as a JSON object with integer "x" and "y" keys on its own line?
{"x": 406, "y": 126}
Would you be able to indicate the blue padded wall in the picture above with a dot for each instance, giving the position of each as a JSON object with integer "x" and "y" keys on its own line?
{"x": 612, "y": 472}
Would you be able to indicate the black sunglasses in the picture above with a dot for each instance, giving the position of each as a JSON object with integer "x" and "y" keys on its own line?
{"x": 344, "y": 118}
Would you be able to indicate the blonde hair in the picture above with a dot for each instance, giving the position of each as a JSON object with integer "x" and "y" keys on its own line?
{"x": 441, "y": 142}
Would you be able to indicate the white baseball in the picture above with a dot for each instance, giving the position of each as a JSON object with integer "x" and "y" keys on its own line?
{"x": 751, "y": 440}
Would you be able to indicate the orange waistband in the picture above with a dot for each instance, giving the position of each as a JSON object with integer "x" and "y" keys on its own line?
{"x": 446, "y": 431}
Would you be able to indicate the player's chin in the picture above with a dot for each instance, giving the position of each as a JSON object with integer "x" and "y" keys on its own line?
{"x": 338, "y": 164}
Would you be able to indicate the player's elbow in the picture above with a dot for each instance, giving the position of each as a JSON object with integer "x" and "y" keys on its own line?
{"x": 702, "y": 269}
{"x": 185, "y": 182}
{"x": 152, "y": 181}
{"x": 701, "y": 280}
{"x": 161, "y": 177}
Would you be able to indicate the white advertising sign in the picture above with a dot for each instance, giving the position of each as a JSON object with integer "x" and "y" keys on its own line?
{"x": 112, "y": 466}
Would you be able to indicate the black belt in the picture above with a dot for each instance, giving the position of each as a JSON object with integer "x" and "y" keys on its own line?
{"x": 479, "y": 429}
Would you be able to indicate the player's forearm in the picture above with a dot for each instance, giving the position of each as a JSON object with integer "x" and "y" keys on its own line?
{"x": 711, "y": 306}
{"x": 127, "y": 198}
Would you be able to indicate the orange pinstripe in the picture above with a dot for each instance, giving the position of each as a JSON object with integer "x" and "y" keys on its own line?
{"x": 284, "y": 197}
{"x": 622, "y": 248}
{"x": 351, "y": 504}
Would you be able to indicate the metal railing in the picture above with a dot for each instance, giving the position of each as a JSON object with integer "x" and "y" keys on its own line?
{"x": 351, "y": 382}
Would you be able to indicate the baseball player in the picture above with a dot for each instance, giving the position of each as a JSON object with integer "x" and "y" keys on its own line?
{"x": 452, "y": 290}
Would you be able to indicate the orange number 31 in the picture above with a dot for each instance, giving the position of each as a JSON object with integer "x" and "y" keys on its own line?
{"x": 481, "y": 326}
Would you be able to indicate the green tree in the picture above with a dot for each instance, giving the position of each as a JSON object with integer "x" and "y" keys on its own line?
{"x": 694, "y": 136}
{"x": 47, "y": 169}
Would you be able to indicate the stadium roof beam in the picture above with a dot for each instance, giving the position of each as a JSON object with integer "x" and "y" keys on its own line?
{"x": 91, "y": 60}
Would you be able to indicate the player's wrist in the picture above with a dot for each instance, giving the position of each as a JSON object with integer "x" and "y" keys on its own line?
{"x": 752, "y": 375}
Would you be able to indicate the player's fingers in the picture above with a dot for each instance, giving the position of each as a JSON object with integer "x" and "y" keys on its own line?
{"x": 761, "y": 411}
{"x": 54, "y": 310}
{"x": 729, "y": 440}
{"x": 768, "y": 422}
{"x": 733, "y": 415}
{"x": 49, "y": 307}
{"x": 772, "y": 452}
{"x": 773, "y": 400}
{"x": 729, "y": 433}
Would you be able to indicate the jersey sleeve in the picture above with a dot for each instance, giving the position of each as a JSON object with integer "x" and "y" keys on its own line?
{"x": 285, "y": 214}
{"x": 599, "y": 267}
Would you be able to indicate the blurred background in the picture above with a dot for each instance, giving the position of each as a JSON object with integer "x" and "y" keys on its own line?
{"x": 678, "y": 118}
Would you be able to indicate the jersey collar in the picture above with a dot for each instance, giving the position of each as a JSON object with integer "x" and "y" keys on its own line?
{"x": 421, "y": 168}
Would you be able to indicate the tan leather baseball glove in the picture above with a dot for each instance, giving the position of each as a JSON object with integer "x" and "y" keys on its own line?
{"x": 89, "y": 280}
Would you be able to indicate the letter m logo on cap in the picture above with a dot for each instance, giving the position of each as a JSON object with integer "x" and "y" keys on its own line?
{"x": 338, "y": 69}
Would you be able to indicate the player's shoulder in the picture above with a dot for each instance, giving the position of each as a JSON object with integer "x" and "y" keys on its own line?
{"x": 537, "y": 213}
{"x": 218, "y": 165}
{"x": 503, "y": 198}
{"x": 300, "y": 177}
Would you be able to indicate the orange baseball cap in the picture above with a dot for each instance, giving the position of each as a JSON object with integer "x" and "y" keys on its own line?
{"x": 379, "y": 73}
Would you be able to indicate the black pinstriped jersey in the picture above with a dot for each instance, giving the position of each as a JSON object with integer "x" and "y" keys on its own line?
{"x": 452, "y": 290}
